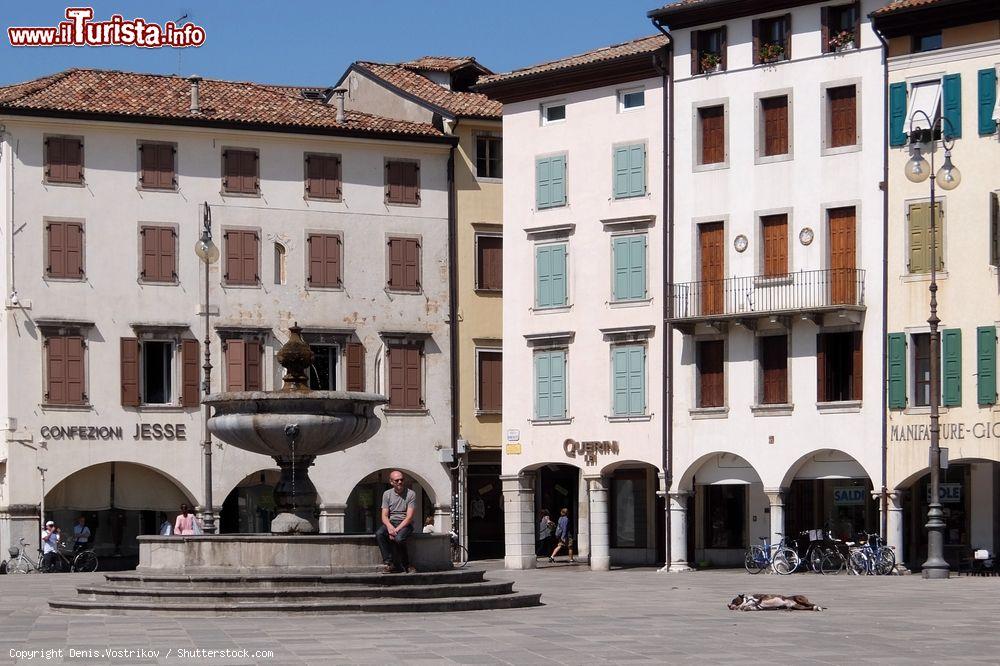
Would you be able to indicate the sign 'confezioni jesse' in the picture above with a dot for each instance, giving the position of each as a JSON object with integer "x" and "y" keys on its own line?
{"x": 922, "y": 431}
{"x": 143, "y": 431}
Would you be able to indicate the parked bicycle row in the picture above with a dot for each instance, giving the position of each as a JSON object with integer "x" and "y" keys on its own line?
{"x": 55, "y": 555}
{"x": 821, "y": 553}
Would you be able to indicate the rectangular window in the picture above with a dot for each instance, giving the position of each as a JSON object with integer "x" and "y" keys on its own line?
{"x": 242, "y": 257}
{"x": 928, "y": 41}
{"x": 842, "y": 112}
{"x": 323, "y": 177}
{"x": 630, "y": 171}
{"x": 355, "y": 357}
{"x": 772, "y": 39}
{"x": 550, "y": 276}
{"x": 896, "y": 344}
{"x": 774, "y": 257}
{"x": 774, "y": 123}
{"x": 489, "y": 156}
{"x": 629, "y": 255}
{"x": 774, "y": 370}
{"x": 63, "y": 160}
{"x": 402, "y": 182}
{"x": 921, "y": 369}
{"x": 713, "y": 134}
{"x": 240, "y": 174}
{"x": 147, "y": 368}
{"x": 156, "y": 166}
{"x": 628, "y": 370}
{"x": 919, "y": 237}
{"x": 711, "y": 373}
{"x": 925, "y": 100}
{"x": 631, "y": 99}
{"x": 838, "y": 366}
{"x": 159, "y": 254}
{"x": 995, "y": 228}
{"x": 725, "y": 516}
{"x": 404, "y": 264}
{"x": 841, "y": 27}
{"x": 951, "y": 367}
{"x": 64, "y": 370}
{"x": 244, "y": 360}
{"x": 988, "y": 102}
{"x": 553, "y": 112}
{"x": 550, "y": 181}
{"x": 628, "y": 509}
{"x": 156, "y": 363}
{"x": 65, "y": 250}
{"x": 986, "y": 365}
{"x": 324, "y": 260}
{"x": 708, "y": 51}
{"x": 323, "y": 372}
{"x": 490, "y": 380}
{"x": 405, "y": 376}
{"x": 550, "y": 385}
{"x": 489, "y": 263}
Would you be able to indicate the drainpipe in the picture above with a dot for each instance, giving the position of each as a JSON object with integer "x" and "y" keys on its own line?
{"x": 884, "y": 499}
{"x": 668, "y": 265}
{"x": 453, "y": 331}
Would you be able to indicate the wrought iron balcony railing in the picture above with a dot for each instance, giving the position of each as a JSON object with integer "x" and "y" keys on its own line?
{"x": 767, "y": 295}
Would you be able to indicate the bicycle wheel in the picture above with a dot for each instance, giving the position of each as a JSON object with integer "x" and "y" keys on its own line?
{"x": 755, "y": 560}
{"x": 459, "y": 555}
{"x": 86, "y": 561}
{"x": 885, "y": 562}
{"x": 785, "y": 561}
{"x": 858, "y": 563}
{"x": 831, "y": 563}
{"x": 19, "y": 566}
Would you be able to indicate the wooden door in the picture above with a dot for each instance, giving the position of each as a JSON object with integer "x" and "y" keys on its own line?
{"x": 843, "y": 256}
{"x": 712, "y": 261}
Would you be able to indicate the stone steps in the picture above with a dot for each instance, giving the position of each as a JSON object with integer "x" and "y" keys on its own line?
{"x": 202, "y": 581}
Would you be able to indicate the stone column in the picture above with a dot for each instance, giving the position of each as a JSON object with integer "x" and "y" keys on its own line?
{"x": 678, "y": 532}
{"x": 776, "y": 498}
{"x": 894, "y": 526}
{"x": 600, "y": 536}
{"x": 442, "y": 519}
{"x": 519, "y": 520}
{"x": 332, "y": 518}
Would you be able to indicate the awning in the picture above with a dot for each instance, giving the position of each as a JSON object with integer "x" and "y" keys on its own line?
{"x": 136, "y": 488}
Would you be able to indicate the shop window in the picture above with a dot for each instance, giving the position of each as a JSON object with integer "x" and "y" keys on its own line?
{"x": 628, "y": 509}
{"x": 725, "y": 516}
{"x": 838, "y": 366}
{"x": 323, "y": 372}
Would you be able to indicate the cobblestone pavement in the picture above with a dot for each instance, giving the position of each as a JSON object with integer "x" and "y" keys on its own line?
{"x": 630, "y": 615}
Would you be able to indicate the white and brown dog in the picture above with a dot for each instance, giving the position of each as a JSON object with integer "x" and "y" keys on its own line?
{"x": 759, "y": 602}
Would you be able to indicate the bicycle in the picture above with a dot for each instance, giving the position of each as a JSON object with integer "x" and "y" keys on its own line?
{"x": 75, "y": 561}
{"x": 19, "y": 562}
{"x": 781, "y": 558}
{"x": 459, "y": 553}
{"x": 872, "y": 557}
{"x": 822, "y": 554}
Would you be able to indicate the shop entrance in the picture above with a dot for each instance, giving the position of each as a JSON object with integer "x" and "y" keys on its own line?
{"x": 249, "y": 508}
{"x": 558, "y": 488}
{"x": 364, "y": 506}
{"x": 484, "y": 505}
{"x": 830, "y": 491}
{"x": 722, "y": 512}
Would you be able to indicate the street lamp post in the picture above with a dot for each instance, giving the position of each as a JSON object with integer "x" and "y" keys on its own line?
{"x": 209, "y": 254}
{"x": 917, "y": 171}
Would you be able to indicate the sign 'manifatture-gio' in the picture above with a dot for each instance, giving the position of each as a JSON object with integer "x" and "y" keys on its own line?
{"x": 922, "y": 431}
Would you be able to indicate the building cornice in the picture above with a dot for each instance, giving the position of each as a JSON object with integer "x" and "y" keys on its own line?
{"x": 677, "y": 16}
{"x": 942, "y": 14}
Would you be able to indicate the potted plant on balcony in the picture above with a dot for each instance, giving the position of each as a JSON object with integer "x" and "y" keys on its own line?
{"x": 771, "y": 52}
{"x": 711, "y": 62}
{"x": 842, "y": 41}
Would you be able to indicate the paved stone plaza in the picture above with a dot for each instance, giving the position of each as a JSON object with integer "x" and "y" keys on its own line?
{"x": 633, "y": 615}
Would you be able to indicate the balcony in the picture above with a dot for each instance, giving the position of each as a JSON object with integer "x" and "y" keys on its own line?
{"x": 745, "y": 300}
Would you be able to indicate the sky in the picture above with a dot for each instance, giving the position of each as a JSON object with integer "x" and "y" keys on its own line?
{"x": 312, "y": 42}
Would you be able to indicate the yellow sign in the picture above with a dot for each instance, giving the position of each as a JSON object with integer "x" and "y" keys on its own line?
{"x": 514, "y": 448}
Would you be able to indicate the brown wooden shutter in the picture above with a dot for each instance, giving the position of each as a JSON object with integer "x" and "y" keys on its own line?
{"x": 316, "y": 277}
{"x": 394, "y": 179}
{"x": 775, "y": 231}
{"x": 396, "y": 263}
{"x": 414, "y": 398}
{"x": 334, "y": 173}
{"x": 490, "y": 381}
{"x": 397, "y": 375}
{"x": 490, "y": 263}
{"x": 824, "y": 13}
{"x": 74, "y": 249}
{"x": 236, "y": 354}
{"x": 148, "y": 165}
{"x": 56, "y": 263}
{"x": 248, "y": 172}
{"x": 190, "y": 373}
{"x": 821, "y": 367}
{"x": 242, "y": 257}
{"x": 168, "y": 254}
{"x": 411, "y": 174}
{"x": 711, "y": 373}
{"x": 843, "y": 116}
{"x": 55, "y": 159}
{"x": 411, "y": 264}
{"x": 130, "y": 372}
{"x": 332, "y": 260}
{"x": 228, "y": 170}
{"x": 787, "y": 20}
{"x": 75, "y": 394}
{"x": 166, "y": 166}
{"x": 857, "y": 24}
{"x": 355, "y": 366}
{"x": 55, "y": 393}
{"x": 857, "y": 360}
{"x": 775, "y": 111}
{"x": 254, "y": 374}
{"x": 723, "y": 47}
{"x": 756, "y": 41}
{"x": 695, "y": 52}
{"x": 713, "y": 138}
{"x": 234, "y": 267}
{"x": 774, "y": 367}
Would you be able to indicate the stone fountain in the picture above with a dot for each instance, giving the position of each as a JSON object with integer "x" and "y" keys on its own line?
{"x": 292, "y": 568}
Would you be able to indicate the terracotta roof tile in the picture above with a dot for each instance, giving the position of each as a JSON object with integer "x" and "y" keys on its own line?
{"x": 117, "y": 93}
{"x": 606, "y": 53}
{"x": 439, "y": 63}
{"x": 898, "y": 5}
{"x": 466, "y": 104}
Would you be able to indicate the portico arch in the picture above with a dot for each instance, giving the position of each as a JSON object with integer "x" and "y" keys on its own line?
{"x": 829, "y": 490}
{"x": 362, "y": 513}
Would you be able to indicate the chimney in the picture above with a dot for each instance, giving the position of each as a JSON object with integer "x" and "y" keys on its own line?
{"x": 195, "y": 93}
{"x": 338, "y": 97}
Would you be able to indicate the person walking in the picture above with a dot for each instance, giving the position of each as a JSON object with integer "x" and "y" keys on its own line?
{"x": 563, "y": 535}
{"x": 545, "y": 528}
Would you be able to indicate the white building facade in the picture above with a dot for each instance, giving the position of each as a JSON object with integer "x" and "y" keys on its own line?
{"x": 337, "y": 222}
{"x": 775, "y": 289}
{"x": 583, "y": 301}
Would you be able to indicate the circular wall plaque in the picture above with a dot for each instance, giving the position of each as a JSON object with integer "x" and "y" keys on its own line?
{"x": 740, "y": 243}
{"x": 806, "y": 235}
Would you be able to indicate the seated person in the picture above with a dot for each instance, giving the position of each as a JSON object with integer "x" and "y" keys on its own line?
{"x": 398, "y": 506}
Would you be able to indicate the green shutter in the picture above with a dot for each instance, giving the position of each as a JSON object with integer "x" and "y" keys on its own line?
{"x": 557, "y": 180}
{"x": 987, "y": 100}
{"x": 622, "y": 269}
{"x": 951, "y": 342}
{"x": 629, "y": 267}
{"x": 550, "y": 276}
{"x": 558, "y": 275}
{"x": 897, "y": 114}
{"x": 636, "y": 380}
{"x": 621, "y": 173}
{"x": 951, "y": 104}
{"x": 897, "y": 370}
{"x": 543, "y": 185}
{"x": 620, "y": 380}
{"x": 542, "y": 382}
{"x": 637, "y": 261}
{"x": 637, "y": 171}
{"x": 557, "y": 385}
{"x": 986, "y": 365}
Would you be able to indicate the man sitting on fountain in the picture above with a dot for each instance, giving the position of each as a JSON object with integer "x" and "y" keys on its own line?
{"x": 398, "y": 506}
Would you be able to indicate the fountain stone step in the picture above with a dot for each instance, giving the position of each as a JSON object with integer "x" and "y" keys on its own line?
{"x": 266, "y": 581}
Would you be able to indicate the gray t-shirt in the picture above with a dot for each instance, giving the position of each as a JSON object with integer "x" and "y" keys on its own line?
{"x": 398, "y": 504}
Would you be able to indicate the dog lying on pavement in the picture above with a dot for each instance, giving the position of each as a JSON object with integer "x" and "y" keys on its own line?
{"x": 759, "y": 602}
